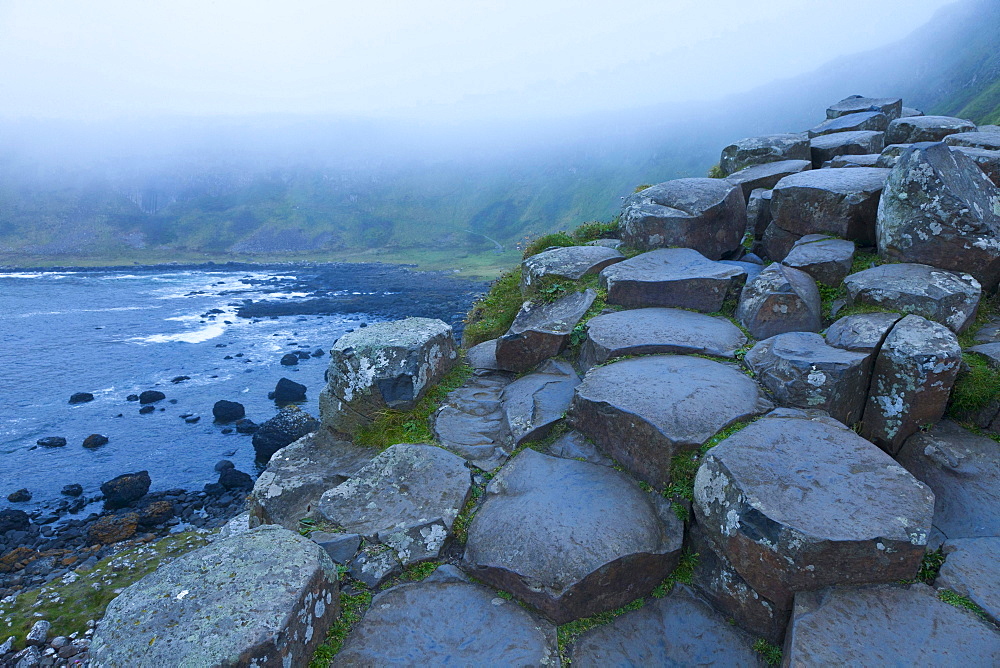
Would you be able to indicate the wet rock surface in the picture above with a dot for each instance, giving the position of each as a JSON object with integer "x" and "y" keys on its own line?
{"x": 762, "y": 150}
{"x": 531, "y": 405}
{"x": 571, "y": 262}
{"x": 781, "y": 299}
{"x": 469, "y": 422}
{"x": 541, "y": 331}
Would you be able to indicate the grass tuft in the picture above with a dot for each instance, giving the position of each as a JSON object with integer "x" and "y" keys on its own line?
{"x": 715, "y": 172}
{"x": 491, "y": 316}
{"x": 684, "y": 573}
{"x": 959, "y": 601}
{"x": 977, "y": 385}
{"x": 770, "y": 653}
{"x": 352, "y": 609}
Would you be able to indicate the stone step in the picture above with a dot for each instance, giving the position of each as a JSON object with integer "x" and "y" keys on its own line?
{"x": 541, "y": 331}
{"x": 781, "y": 299}
{"x": 533, "y": 404}
{"x": 570, "y": 263}
{"x": 826, "y": 259}
{"x": 469, "y": 423}
{"x": 859, "y": 142}
{"x": 925, "y": 128}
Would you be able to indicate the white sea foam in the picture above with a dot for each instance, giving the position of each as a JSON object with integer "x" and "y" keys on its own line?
{"x": 196, "y": 336}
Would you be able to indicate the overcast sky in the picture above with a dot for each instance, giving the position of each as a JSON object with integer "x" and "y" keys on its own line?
{"x": 89, "y": 59}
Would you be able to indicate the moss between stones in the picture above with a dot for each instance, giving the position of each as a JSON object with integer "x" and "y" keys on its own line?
{"x": 684, "y": 573}
{"x": 989, "y": 308}
{"x": 977, "y": 385}
{"x": 352, "y": 609}
{"x": 959, "y": 601}
{"x": 771, "y": 654}
{"x": 715, "y": 172}
{"x": 568, "y": 633}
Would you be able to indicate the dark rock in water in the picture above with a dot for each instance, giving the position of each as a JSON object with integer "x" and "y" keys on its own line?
{"x": 151, "y": 396}
{"x": 302, "y": 354}
{"x": 95, "y": 441}
{"x": 925, "y": 128}
{"x": 228, "y": 411}
{"x": 761, "y": 150}
{"x": 179, "y": 379}
{"x": 224, "y": 464}
{"x": 318, "y": 352}
{"x": 146, "y": 410}
{"x": 192, "y": 419}
{"x": 155, "y": 513}
{"x": 52, "y": 442}
{"x": 81, "y": 398}
{"x": 892, "y": 107}
{"x": 126, "y": 488}
{"x": 288, "y": 391}
{"x": 541, "y": 331}
{"x": 781, "y": 299}
{"x": 233, "y": 479}
{"x": 73, "y": 490}
{"x": 290, "y": 359}
{"x": 246, "y": 426}
{"x": 214, "y": 488}
{"x": 132, "y": 397}
{"x": 290, "y": 424}
{"x": 20, "y": 496}
{"x": 13, "y": 520}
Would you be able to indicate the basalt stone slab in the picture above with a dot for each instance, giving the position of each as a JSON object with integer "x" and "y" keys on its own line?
{"x": 759, "y": 212}
{"x": 384, "y": 365}
{"x": 988, "y": 140}
{"x": 826, "y": 259}
{"x": 861, "y": 142}
{"x": 863, "y": 332}
{"x": 531, "y": 405}
{"x": 672, "y": 277}
{"x": 841, "y": 202}
{"x": 677, "y": 630}
{"x": 864, "y": 160}
{"x": 752, "y": 269}
{"x": 938, "y": 208}
{"x": 963, "y": 469}
{"x": 971, "y": 570}
{"x": 890, "y": 155}
{"x": 541, "y": 331}
{"x": 289, "y": 425}
{"x": 766, "y": 175}
{"x": 912, "y": 379}
{"x": 708, "y": 215}
{"x": 483, "y": 356}
{"x": 777, "y": 242}
{"x": 569, "y": 538}
{"x": 644, "y": 411}
{"x": 886, "y": 626}
{"x": 988, "y": 161}
{"x": 991, "y": 351}
{"x": 797, "y": 503}
{"x": 574, "y": 445}
{"x": 266, "y": 597}
{"x": 375, "y": 564}
{"x": 781, "y": 299}
{"x": 571, "y": 262}
{"x": 296, "y": 477}
{"x": 802, "y": 371}
{"x": 892, "y": 107}
{"x": 650, "y": 331}
{"x": 925, "y": 128}
{"x": 469, "y": 422}
{"x": 909, "y": 112}
{"x": 446, "y": 620}
{"x": 942, "y": 296}
{"x": 863, "y": 120}
{"x": 761, "y": 150}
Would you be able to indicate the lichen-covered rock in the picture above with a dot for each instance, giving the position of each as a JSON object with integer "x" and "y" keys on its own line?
{"x": 531, "y": 405}
{"x": 571, "y": 263}
{"x": 863, "y": 120}
{"x": 826, "y": 259}
{"x": 890, "y": 155}
{"x": 708, "y": 215}
{"x": 126, "y": 488}
{"x": 766, "y": 175}
{"x": 781, "y": 299}
{"x": 541, "y": 331}
{"x": 672, "y": 277}
{"x": 863, "y": 332}
{"x": 988, "y": 161}
{"x": 761, "y": 150}
{"x": 859, "y": 142}
{"x": 469, "y": 422}
{"x": 113, "y": 528}
{"x": 289, "y": 425}
{"x": 266, "y": 597}
{"x": 892, "y": 107}
{"x": 925, "y": 128}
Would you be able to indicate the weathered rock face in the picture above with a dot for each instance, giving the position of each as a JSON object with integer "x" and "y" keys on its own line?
{"x": 766, "y": 175}
{"x": 777, "y": 242}
{"x": 446, "y": 620}
{"x": 708, "y": 215}
{"x": 925, "y": 128}
{"x": 644, "y": 411}
{"x": 658, "y": 330}
{"x": 863, "y": 120}
{"x": 802, "y": 371}
{"x": 892, "y": 107}
{"x": 863, "y": 160}
{"x": 483, "y": 356}
{"x": 842, "y": 202}
{"x": 469, "y": 422}
{"x": 939, "y": 208}
{"x": 541, "y": 331}
{"x": 909, "y": 112}
{"x": 266, "y": 597}
{"x": 761, "y": 150}
{"x": 384, "y": 365}
{"x": 571, "y": 262}
{"x": 942, "y": 296}
{"x": 970, "y": 570}
{"x": 574, "y": 445}
{"x": 988, "y": 140}
{"x": 864, "y": 519}
{"x": 126, "y": 488}
{"x": 759, "y": 212}
{"x": 913, "y": 375}
{"x": 678, "y": 630}
{"x": 875, "y": 626}
{"x": 570, "y": 538}
{"x": 988, "y": 161}
{"x": 861, "y": 142}
{"x": 890, "y": 155}
{"x": 673, "y": 277}
{"x": 288, "y": 426}
{"x": 826, "y": 259}
{"x": 532, "y": 404}
{"x": 963, "y": 469}
{"x": 781, "y": 299}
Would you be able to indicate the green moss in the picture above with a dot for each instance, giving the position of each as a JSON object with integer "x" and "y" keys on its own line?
{"x": 596, "y": 229}
{"x": 989, "y": 308}
{"x": 558, "y": 239}
{"x": 828, "y": 294}
{"x": 959, "y": 601}
{"x": 460, "y": 528}
{"x": 977, "y": 385}
{"x": 568, "y": 633}
{"x": 771, "y": 654}
{"x": 642, "y": 187}
{"x": 684, "y": 573}
{"x": 715, "y": 172}
{"x": 352, "y": 609}
{"x": 864, "y": 261}
{"x": 412, "y": 573}
{"x": 492, "y": 315}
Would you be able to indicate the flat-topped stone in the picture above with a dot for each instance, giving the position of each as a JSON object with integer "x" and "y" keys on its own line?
{"x": 644, "y": 411}
{"x": 574, "y": 445}
{"x": 531, "y": 405}
{"x": 988, "y": 161}
{"x": 483, "y": 356}
{"x": 764, "y": 149}
{"x": 781, "y": 299}
{"x": 841, "y": 202}
{"x": 988, "y": 140}
{"x": 858, "y": 142}
{"x": 570, "y": 538}
{"x": 925, "y": 128}
{"x": 570, "y": 262}
{"x": 971, "y": 571}
{"x": 908, "y": 112}
{"x": 776, "y": 243}
{"x": 708, "y": 215}
{"x": 826, "y": 259}
{"x": 658, "y": 330}
{"x": 863, "y": 160}
{"x": 672, "y": 277}
{"x": 862, "y": 120}
{"x": 863, "y": 332}
{"x": 991, "y": 351}
{"x": 892, "y": 107}
{"x": 799, "y": 502}
{"x": 942, "y": 296}
{"x": 469, "y": 422}
{"x": 766, "y": 175}
{"x": 541, "y": 330}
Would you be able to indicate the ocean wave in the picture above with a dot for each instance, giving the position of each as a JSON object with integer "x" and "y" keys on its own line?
{"x": 196, "y": 336}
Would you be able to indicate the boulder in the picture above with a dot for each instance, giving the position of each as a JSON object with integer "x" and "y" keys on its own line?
{"x": 863, "y": 332}
{"x": 228, "y": 411}
{"x": 863, "y": 160}
{"x": 988, "y": 161}
{"x": 158, "y": 512}
{"x": 265, "y": 597}
{"x": 384, "y": 365}
{"x": 860, "y": 142}
{"x": 151, "y": 397}
{"x": 483, "y": 356}
{"x": 938, "y": 208}
{"x": 19, "y": 496}
{"x": 991, "y": 351}
{"x": 776, "y": 243}
{"x": 673, "y": 277}
{"x": 288, "y": 391}
{"x": 841, "y": 202}
{"x": 799, "y": 502}
{"x": 13, "y": 520}
{"x": 892, "y": 107}
{"x": 650, "y": 331}
{"x": 447, "y": 620}
{"x": 761, "y": 150}
{"x": 708, "y": 215}
{"x": 233, "y": 479}
{"x": 289, "y": 425}
{"x": 942, "y": 296}
{"x": 766, "y": 175}
{"x": 126, "y": 488}
{"x": 469, "y": 422}
{"x": 781, "y": 299}
{"x": 73, "y": 489}
{"x": 911, "y": 381}
{"x": 644, "y": 411}
{"x": 531, "y": 405}
{"x": 759, "y": 212}
{"x": 826, "y": 259}
{"x": 802, "y": 371}
{"x": 112, "y": 529}
{"x": 342, "y": 547}
{"x": 970, "y": 570}
{"x": 987, "y": 140}
{"x": 925, "y": 129}
{"x": 569, "y": 538}
{"x": 570, "y": 263}
{"x": 541, "y": 331}
{"x": 246, "y": 426}
{"x": 52, "y": 442}
{"x": 863, "y": 120}
{"x": 95, "y": 441}
{"x": 909, "y": 112}
{"x": 890, "y": 155}
{"x": 146, "y": 410}
{"x": 81, "y": 397}
{"x": 289, "y": 359}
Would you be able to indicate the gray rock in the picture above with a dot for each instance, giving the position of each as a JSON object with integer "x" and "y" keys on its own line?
{"x": 708, "y": 215}
{"x": 938, "y": 208}
{"x": 991, "y": 351}
{"x": 863, "y": 120}
{"x": 988, "y": 161}
{"x": 797, "y": 503}
{"x": 607, "y": 243}
{"x": 841, "y": 202}
{"x": 759, "y": 212}
{"x": 861, "y": 142}
{"x": 416, "y": 542}
{"x": 864, "y": 160}
{"x": 469, "y": 422}
{"x": 761, "y": 150}
{"x": 541, "y": 331}
{"x": 925, "y": 128}
{"x": 892, "y": 107}
{"x": 483, "y": 356}
{"x": 988, "y": 140}
{"x": 28, "y": 657}
{"x": 532, "y": 404}
{"x": 942, "y": 296}
{"x": 289, "y": 425}
{"x": 890, "y": 155}
{"x": 574, "y": 445}
{"x": 863, "y": 332}
{"x": 384, "y": 365}
{"x": 673, "y": 277}
{"x": 658, "y": 330}
{"x": 677, "y": 630}
{"x": 571, "y": 262}
{"x": 340, "y": 546}
{"x": 375, "y": 564}
{"x": 781, "y": 299}
{"x": 886, "y": 626}
{"x": 569, "y": 538}
{"x": 126, "y": 488}
{"x": 912, "y": 379}
{"x": 766, "y": 175}
{"x": 826, "y": 259}
{"x": 971, "y": 570}
{"x": 447, "y": 621}
{"x": 777, "y": 242}
{"x": 265, "y": 597}
{"x": 802, "y": 371}
{"x": 752, "y": 269}
{"x": 909, "y": 112}
{"x": 39, "y": 633}
{"x": 645, "y": 411}
{"x": 963, "y": 469}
